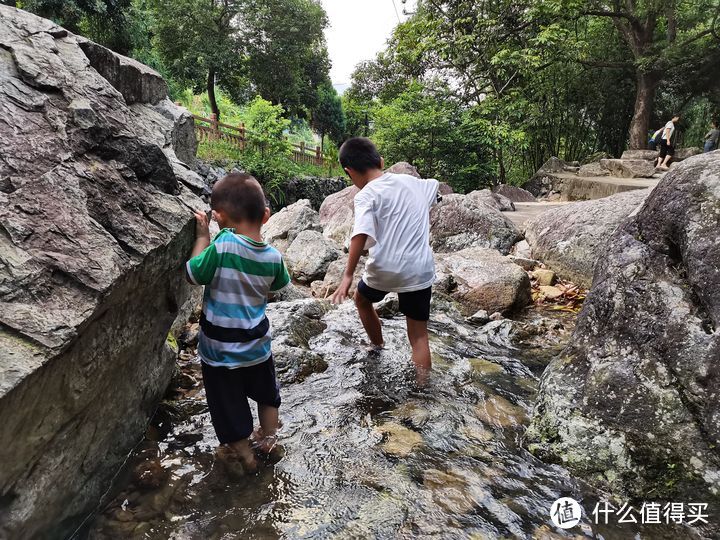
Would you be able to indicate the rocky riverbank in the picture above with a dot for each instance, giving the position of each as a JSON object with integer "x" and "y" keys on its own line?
{"x": 631, "y": 404}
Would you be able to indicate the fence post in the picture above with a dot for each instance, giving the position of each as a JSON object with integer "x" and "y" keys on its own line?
{"x": 242, "y": 135}
{"x": 214, "y": 126}
{"x": 318, "y": 156}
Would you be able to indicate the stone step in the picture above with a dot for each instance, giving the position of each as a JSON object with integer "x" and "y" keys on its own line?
{"x": 628, "y": 168}
{"x": 648, "y": 155}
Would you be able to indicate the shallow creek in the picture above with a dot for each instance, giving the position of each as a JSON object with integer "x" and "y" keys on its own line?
{"x": 366, "y": 453}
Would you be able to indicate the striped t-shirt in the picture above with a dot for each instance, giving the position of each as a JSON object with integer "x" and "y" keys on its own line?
{"x": 239, "y": 272}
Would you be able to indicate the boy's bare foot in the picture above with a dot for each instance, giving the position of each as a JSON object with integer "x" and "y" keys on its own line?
{"x": 242, "y": 452}
{"x": 266, "y": 444}
{"x": 373, "y": 348}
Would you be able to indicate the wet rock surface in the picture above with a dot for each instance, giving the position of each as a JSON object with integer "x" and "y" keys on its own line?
{"x": 631, "y": 404}
{"x": 94, "y": 229}
{"x": 571, "y": 238}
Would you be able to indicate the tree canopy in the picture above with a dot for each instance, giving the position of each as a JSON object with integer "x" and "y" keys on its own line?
{"x": 536, "y": 78}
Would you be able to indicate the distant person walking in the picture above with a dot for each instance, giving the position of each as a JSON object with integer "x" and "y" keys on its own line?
{"x": 711, "y": 137}
{"x": 667, "y": 143}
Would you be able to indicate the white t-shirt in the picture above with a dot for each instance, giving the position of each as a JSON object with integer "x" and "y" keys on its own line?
{"x": 671, "y": 127}
{"x": 394, "y": 211}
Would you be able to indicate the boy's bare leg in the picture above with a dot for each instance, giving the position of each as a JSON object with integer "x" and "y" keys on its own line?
{"x": 269, "y": 423}
{"x": 370, "y": 319}
{"x": 420, "y": 343}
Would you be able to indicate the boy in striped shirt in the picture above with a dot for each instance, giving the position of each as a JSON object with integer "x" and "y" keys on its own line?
{"x": 238, "y": 270}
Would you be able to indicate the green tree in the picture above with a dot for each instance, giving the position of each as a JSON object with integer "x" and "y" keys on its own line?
{"x": 274, "y": 48}
{"x": 328, "y": 117}
{"x": 268, "y": 151}
{"x": 285, "y": 49}
{"x": 427, "y": 127}
{"x": 198, "y": 43}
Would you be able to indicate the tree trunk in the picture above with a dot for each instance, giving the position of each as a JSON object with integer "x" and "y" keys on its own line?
{"x": 211, "y": 94}
{"x": 647, "y": 84}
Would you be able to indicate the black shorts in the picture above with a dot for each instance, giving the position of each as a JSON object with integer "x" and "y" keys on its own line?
{"x": 227, "y": 392}
{"x": 414, "y": 305}
{"x": 666, "y": 149}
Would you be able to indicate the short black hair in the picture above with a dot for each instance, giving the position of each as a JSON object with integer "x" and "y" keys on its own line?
{"x": 240, "y": 196}
{"x": 360, "y": 154}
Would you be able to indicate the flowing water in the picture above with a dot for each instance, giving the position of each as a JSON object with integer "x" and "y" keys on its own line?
{"x": 366, "y": 452}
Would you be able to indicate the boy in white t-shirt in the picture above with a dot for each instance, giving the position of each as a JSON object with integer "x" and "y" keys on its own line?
{"x": 392, "y": 221}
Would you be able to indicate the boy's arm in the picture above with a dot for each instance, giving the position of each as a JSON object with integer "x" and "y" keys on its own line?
{"x": 202, "y": 234}
{"x": 357, "y": 244}
{"x": 202, "y": 241}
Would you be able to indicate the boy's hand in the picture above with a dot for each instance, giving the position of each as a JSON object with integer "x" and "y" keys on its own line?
{"x": 202, "y": 225}
{"x": 342, "y": 292}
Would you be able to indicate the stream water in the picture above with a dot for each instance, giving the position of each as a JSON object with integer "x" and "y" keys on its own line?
{"x": 366, "y": 453}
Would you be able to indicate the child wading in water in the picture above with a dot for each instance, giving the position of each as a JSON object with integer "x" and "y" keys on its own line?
{"x": 239, "y": 270}
{"x": 392, "y": 220}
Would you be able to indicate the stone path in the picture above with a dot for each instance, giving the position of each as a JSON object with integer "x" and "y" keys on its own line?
{"x": 525, "y": 211}
{"x": 580, "y": 188}
{"x": 577, "y": 188}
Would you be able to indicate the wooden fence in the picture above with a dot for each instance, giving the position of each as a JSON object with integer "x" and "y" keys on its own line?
{"x": 209, "y": 129}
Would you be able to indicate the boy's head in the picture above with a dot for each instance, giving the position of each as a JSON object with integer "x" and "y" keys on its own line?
{"x": 239, "y": 198}
{"x": 358, "y": 157}
{"x": 676, "y": 118}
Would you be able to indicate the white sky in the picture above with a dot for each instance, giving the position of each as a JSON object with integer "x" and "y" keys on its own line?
{"x": 358, "y": 30}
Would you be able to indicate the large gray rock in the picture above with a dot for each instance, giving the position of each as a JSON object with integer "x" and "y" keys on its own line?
{"x": 461, "y": 221}
{"x": 546, "y": 178}
{"x": 493, "y": 200}
{"x": 309, "y": 256}
{"x": 95, "y": 227}
{"x": 135, "y": 81}
{"x": 403, "y": 167}
{"x": 592, "y": 170}
{"x": 628, "y": 168}
{"x": 337, "y": 215}
{"x": 684, "y": 153}
{"x": 282, "y": 228}
{"x": 514, "y": 193}
{"x": 481, "y": 278}
{"x": 572, "y": 237}
{"x": 632, "y": 404}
